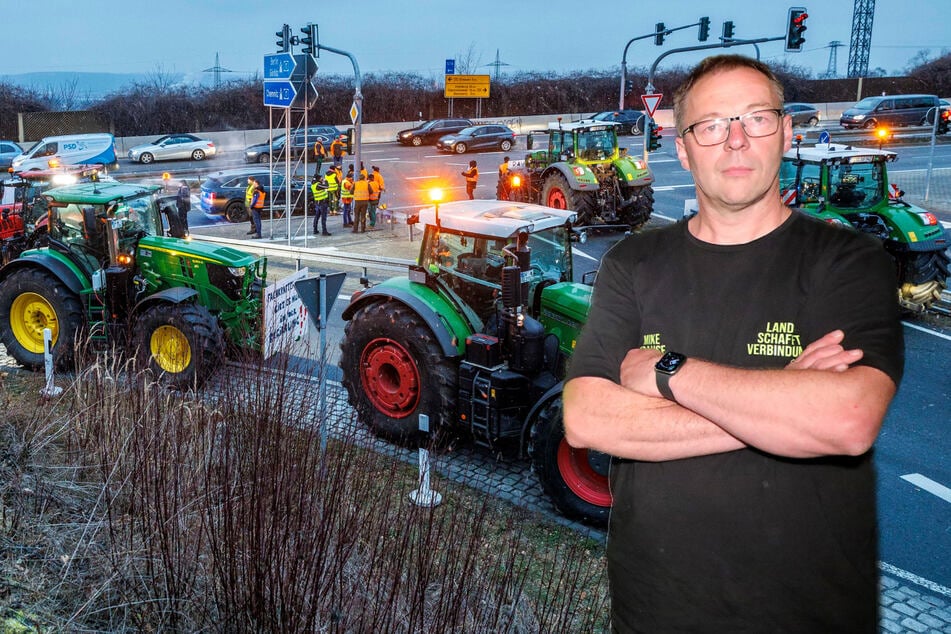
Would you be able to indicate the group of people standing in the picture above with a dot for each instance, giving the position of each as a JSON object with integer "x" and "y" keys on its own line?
{"x": 356, "y": 197}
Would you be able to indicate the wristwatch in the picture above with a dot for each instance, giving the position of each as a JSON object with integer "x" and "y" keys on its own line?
{"x": 668, "y": 366}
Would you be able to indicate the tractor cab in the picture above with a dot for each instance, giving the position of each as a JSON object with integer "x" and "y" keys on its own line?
{"x": 581, "y": 141}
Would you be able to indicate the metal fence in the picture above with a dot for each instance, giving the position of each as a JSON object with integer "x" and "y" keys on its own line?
{"x": 33, "y": 126}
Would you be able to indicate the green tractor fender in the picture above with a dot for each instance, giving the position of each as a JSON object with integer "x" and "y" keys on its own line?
{"x": 579, "y": 176}
{"x": 175, "y": 295}
{"x": 56, "y": 263}
{"x": 911, "y": 227}
{"x": 439, "y": 314}
{"x": 632, "y": 172}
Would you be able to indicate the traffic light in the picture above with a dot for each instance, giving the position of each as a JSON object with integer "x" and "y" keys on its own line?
{"x": 944, "y": 121}
{"x": 310, "y": 39}
{"x": 348, "y": 142}
{"x": 795, "y": 28}
{"x": 727, "y": 30}
{"x": 659, "y": 30}
{"x": 284, "y": 41}
{"x": 704, "y": 29}
{"x": 628, "y": 86}
{"x": 653, "y": 136}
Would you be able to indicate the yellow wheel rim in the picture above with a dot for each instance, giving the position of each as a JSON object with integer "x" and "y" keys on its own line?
{"x": 29, "y": 315}
{"x": 170, "y": 349}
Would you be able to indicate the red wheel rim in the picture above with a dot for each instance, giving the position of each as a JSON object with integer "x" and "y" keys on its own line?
{"x": 557, "y": 199}
{"x": 581, "y": 478}
{"x": 390, "y": 378}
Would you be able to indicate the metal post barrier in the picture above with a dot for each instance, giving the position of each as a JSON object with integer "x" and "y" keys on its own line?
{"x": 424, "y": 496}
{"x": 49, "y": 390}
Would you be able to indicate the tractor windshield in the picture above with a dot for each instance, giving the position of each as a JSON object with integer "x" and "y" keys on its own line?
{"x": 136, "y": 215}
{"x": 551, "y": 253}
{"x": 596, "y": 144}
{"x": 855, "y": 185}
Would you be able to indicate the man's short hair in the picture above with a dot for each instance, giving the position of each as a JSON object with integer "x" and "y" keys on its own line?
{"x": 718, "y": 64}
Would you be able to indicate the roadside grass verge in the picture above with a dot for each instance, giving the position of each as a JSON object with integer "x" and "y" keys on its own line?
{"x": 130, "y": 507}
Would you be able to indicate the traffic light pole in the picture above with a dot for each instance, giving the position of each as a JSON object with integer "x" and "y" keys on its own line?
{"x": 663, "y": 33}
{"x": 357, "y": 101}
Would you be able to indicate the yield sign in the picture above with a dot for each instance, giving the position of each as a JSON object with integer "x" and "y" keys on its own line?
{"x": 651, "y": 102}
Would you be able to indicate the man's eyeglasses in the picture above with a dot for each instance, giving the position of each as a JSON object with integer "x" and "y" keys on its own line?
{"x": 755, "y": 124}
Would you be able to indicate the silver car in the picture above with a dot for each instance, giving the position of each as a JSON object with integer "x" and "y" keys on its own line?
{"x": 173, "y": 146}
{"x": 8, "y": 150}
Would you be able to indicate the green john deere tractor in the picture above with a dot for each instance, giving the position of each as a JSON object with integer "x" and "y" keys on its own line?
{"x": 585, "y": 171}
{"x": 849, "y": 185}
{"x": 109, "y": 279}
{"x": 477, "y": 337}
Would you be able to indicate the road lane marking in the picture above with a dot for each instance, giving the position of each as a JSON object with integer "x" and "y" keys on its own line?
{"x": 667, "y": 188}
{"x": 909, "y": 576}
{"x": 929, "y": 485}
{"x": 927, "y": 330}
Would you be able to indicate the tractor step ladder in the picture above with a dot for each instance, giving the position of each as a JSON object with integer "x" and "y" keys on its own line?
{"x": 96, "y": 318}
{"x": 479, "y": 411}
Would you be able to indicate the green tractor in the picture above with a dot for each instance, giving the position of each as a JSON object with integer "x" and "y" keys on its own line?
{"x": 585, "y": 171}
{"x": 109, "y": 278}
{"x": 848, "y": 185}
{"x": 477, "y": 337}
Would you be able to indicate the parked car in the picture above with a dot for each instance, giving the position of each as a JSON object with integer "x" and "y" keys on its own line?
{"x": 301, "y": 141}
{"x": 632, "y": 121}
{"x": 478, "y": 137}
{"x": 803, "y": 114}
{"x": 8, "y": 149}
{"x": 431, "y": 131}
{"x": 889, "y": 110}
{"x": 173, "y": 146}
{"x": 222, "y": 193}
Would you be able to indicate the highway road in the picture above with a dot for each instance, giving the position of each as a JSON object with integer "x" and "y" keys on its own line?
{"x": 914, "y": 449}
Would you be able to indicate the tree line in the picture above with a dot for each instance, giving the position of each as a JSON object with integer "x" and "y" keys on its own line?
{"x": 156, "y": 107}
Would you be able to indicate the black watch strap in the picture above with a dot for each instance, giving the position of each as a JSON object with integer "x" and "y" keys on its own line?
{"x": 663, "y": 386}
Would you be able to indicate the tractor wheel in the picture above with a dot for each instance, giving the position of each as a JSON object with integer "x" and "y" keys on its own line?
{"x": 576, "y": 480}
{"x": 558, "y": 194}
{"x": 31, "y": 300}
{"x": 929, "y": 272}
{"x": 236, "y": 211}
{"x": 638, "y": 207}
{"x": 394, "y": 370}
{"x": 182, "y": 344}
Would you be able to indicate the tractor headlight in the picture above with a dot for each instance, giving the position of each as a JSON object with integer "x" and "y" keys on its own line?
{"x": 237, "y": 271}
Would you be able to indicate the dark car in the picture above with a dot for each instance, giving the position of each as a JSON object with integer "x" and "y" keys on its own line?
{"x": 803, "y": 114}
{"x": 632, "y": 121}
{"x": 301, "y": 141}
{"x": 890, "y": 110}
{"x": 222, "y": 193}
{"x": 8, "y": 150}
{"x": 431, "y": 131}
{"x": 478, "y": 137}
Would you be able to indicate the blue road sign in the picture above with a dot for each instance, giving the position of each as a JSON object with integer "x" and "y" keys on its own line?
{"x": 450, "y": 67}
{"x": 825, "y": 137}
{"x": 279, "y": 94}
{"x": 279, "y": 66}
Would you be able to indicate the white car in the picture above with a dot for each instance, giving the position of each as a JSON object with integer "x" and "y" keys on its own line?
{"x": 173, "y": 146}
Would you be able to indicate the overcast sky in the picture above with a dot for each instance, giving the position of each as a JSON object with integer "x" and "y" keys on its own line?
{"x": 183, "y": 36}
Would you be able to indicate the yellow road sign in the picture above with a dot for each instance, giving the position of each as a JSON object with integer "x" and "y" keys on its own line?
{"x": 472, "y": 86}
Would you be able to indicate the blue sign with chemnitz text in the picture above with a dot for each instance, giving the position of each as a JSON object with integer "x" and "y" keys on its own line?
{"x": 279, "y": 94}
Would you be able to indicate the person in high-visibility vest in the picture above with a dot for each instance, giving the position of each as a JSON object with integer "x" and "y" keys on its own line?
{"x": 320, "y": 153}
{"x": 257, "y": 204}
{"x": 472, "y": 179}
{"x": 374, "y": 199}
{"x": 502, "y": 189}
{"x": 248, "y": 195}
{"x": 346, "y": 199}
{"x": 321, "y": 194}
{"x": 333, "y": 191}
{"x": 361, "y": 202}
{"x": 337, "y": 151}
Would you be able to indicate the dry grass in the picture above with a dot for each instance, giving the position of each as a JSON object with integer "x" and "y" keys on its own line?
{"x": 129, "y": 507}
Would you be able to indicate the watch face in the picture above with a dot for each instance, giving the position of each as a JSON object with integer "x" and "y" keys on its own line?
{"x": 671, "y": 362}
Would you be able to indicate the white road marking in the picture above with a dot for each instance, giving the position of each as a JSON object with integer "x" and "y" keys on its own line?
{"x": 927, "y": 330}
{"x": 908, "y": 576}
{"x": 667, "y": 188}
{"x": 929, "y": 485}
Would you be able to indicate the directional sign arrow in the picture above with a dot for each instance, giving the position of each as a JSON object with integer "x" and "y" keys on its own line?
{"x": 279, "y": 94}
{"x": 279, "y": 66}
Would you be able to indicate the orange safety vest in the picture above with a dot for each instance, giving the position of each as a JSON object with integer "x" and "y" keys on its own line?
{"x": 257, "y": 201}
{"x": 378, "y": 177}
{"x": 472, "y": 175}
{"x": 374, "y": 189}
{"x": 361, "y": 190}
{"x": 336, "y": 148}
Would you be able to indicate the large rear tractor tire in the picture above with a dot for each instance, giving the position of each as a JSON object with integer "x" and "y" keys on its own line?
{"x": 394, "y": 370}
{"x": 558, "y": 194}
{"x": 638, "y": 206}
{"x": 31, "y": 300}
{"x": 576, "y": 480}
{"x": 182, "y": 344}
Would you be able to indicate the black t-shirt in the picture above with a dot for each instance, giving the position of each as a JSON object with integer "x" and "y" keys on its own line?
{"x": 743, "y": 541}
